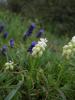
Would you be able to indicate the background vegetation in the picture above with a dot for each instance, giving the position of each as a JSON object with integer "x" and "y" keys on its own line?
{"x": 59, "y": 13}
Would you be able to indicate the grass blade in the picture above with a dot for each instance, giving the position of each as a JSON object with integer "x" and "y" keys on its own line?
{"x": 13, "y": 92}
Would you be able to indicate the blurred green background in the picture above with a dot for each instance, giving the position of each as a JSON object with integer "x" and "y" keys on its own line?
{"x": 59, "y": 14}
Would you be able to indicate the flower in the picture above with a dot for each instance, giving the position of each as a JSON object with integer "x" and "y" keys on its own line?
{"x": 38, "y": 49}
{"x": 31, "y": 46}
{"x": 29, "y": 32}
{"x": 9, "y": 65}
{"x": 73, "y": 39}
{"x": 5, "y": 35}
{"x": 69, "y": 49}
{"x": 12, "y": 43}
{"x": 40, "y": 33}
{"x": 43, "y": 40}
{"x": 4, "y": 49}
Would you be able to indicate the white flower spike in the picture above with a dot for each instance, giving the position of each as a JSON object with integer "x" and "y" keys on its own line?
{"x": 37, "y": 51}
{"x": 69, "y": 49}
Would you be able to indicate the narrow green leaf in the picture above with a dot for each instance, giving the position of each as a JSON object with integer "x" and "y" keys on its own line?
{"x": 13, "y": 92}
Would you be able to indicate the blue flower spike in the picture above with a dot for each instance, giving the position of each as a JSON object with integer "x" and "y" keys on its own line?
{"x": 12, "y": 43}
{"x": 40, "y": 33}
{"x": 4, "y": 49}
{"x": 31, "y": 46}
{"x": 29, "y": 32}
{"x": 5, "y": 35}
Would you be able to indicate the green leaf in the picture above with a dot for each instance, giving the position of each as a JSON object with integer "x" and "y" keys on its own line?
{"x": 13, "y": 92}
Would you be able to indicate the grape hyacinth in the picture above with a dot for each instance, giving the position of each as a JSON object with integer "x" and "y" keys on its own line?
{"x": 4, "y": 50}
{"x": 31, "y": 46}
{"x": 5, "y": 35}
{"x": 12, "y": 43}
{"x": 40, "y": 33}
{"x": 29, "y": 32}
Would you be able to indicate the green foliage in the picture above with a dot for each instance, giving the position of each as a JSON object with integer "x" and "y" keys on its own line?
{"x": 13, "y": 92}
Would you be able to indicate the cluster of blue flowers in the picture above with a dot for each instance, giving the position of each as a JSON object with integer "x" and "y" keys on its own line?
{"x": 25, "y": 36}
{"x": 31, "y": 29}
{"x": 4, "y": 48}
{"x": 5, "y": 35}
{"x": 29, "y": 32}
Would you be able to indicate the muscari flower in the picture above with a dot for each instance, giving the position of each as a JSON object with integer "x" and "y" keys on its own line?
{"x": 29, "y": 32}
{"x": 31, "y": 46}
{"x": 40, "y": 33}
{"x": 12, "y": 43}
{"x": 9, "y": 65}
{"x": 4, "y": 50}
{"x": 5, "y": 35}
